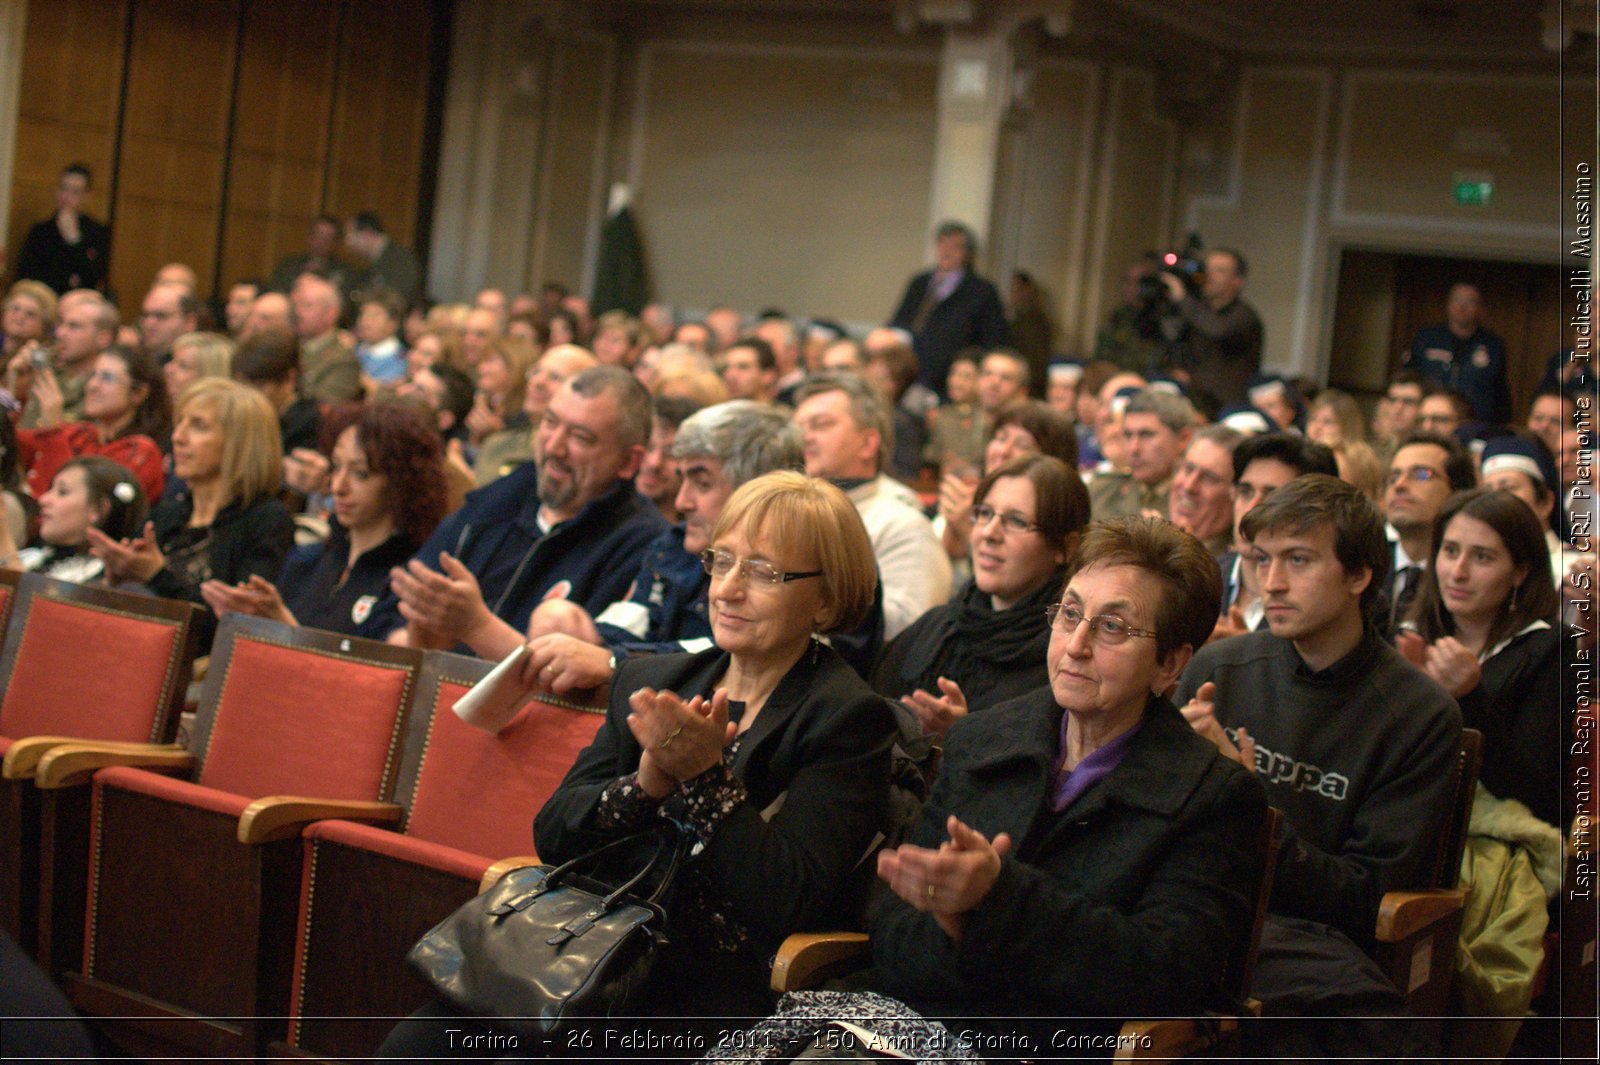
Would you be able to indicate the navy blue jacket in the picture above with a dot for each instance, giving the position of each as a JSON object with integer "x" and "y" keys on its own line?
{"x": 496, "y": 535}
{"x": 1475, "y": 367}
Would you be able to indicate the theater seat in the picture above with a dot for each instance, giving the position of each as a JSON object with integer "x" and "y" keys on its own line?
{"x": 192, "y": 882}
{"x": 367, "y": 894}
{"x": 52, "y": 695}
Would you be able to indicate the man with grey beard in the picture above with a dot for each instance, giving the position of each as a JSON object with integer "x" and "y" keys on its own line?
{"x": 557, "y": 528}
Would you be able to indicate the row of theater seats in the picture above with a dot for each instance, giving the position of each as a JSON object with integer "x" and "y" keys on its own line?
{"x": 254, "y": 891}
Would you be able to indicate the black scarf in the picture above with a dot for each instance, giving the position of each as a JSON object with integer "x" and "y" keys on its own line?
{"x": 980, "y": 645}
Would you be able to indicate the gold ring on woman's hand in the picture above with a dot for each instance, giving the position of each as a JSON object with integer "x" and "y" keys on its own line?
{"x": 931, "y": 892}
{"x": 669, "y": 738}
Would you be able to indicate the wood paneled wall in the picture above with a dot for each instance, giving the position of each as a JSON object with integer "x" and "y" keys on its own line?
{"x": 218, "y": 129}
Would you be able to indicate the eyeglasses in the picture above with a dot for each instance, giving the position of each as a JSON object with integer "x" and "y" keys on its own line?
{"x": 1107, "y": 630}
{"x": 1420, "y": 474}
{"x": 1010, "y": 521}
{"x": 720, "y": 564}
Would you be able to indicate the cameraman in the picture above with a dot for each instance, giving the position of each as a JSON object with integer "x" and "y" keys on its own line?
{"x": 1223, "y": 335}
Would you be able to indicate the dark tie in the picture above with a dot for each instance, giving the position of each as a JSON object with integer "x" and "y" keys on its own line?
{"x": 1409, "y": 578}
{"x": 930, "y": 300}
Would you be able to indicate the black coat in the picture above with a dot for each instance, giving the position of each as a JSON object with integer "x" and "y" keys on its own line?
{"x": 1125, "y": 904}
{"x": 246, "y": 541}
{"x": 821, "y": 743}
{"x": 970, "y": 315}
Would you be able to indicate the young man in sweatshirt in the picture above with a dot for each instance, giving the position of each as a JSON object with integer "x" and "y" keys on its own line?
{"x": 1354, "y": 744}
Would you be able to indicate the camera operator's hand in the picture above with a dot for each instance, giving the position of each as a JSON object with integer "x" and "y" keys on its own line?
{"x": 1175, "y": 289}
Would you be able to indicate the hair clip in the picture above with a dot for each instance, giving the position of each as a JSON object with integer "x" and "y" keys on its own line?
{"x": 123, "y": 490}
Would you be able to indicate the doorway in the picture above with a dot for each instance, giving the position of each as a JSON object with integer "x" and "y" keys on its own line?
{"x": 1384, "y": 298}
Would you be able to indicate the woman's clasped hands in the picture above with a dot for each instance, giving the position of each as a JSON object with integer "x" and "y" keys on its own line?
{"x": 680, "y": 740}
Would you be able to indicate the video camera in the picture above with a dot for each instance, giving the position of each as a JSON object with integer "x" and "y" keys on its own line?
{"x": 1185, "y": 264}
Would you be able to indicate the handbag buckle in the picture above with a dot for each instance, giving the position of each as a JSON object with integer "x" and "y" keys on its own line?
{"x": 576, "y": 928}
{"x": 518, "y": 904}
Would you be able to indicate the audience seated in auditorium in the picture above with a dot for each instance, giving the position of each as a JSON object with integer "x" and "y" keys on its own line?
{"x": 1202, "y": 488}
{"x": 1334, "y": 418}
{"x": 1444, "y": 412}
{"x": 1551, "y": 410}
{"x": 1484, "y": 627}
{"x": 503, "y": 452}
{"x": 714, "y": 739}
{"x": 329, "y": 370}
{"x": 227, "y": 524}
{"x": 1261, "y": 465}
{"x": 378, "y": 345}
{"x": 270, "y": 313}
{"x": 553, "y": 528}
{"x": 892, "y": 369}
{"x": 87, "y": 327}
{"x": 956, "y": 428}
{"x": 125, "y": 410}
{"x": 1426, "y": 468}
{"x": 1084, "y": 856}
{"x": 1372, "y": 738}
{"x": 29, "y": 315}
{"x": 87, "y": 491}
{"x": 321, "y": 256}
{"x": 1027, "y": 428}
{"x": 1520, "y": 467}
{"x": 168, "y": 312}
{"x": 1397, "y": 412}
{"x": 717, "y": 450}
{"x": 848, "y": 436}
{"x": 781, "y": 335}
{"x": 618, "y": 339}
{"x": 389, "y": 494}
{"x": 1158, "y": 426}
{"x": 988, "y": 644}
{"x": 236, "y": 308}
{"x": 481, "y": 328}
{"x": 659, "y": 477}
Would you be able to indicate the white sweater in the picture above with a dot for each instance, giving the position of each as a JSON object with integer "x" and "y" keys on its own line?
{"x": 911, "y": 562}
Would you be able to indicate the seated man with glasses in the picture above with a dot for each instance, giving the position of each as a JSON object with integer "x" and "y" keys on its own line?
{"x": 1426, "y": 468}
{"x": 1354, "y": 744}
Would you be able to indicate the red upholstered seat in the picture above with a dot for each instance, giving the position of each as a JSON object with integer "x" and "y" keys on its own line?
{"x": 368, "y": 895}
{"x": 92, "y": 664}
{"x": 284, "y": 711}
{"x": 313, "y": 723}
{"x": 478, "y": 791}
{"x": 54, "y": 689}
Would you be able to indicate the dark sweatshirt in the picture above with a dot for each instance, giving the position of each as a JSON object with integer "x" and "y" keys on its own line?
{"x": 1358, "y": 757}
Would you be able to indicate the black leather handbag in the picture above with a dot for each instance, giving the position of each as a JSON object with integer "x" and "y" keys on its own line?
{"x": 546, "y": 946}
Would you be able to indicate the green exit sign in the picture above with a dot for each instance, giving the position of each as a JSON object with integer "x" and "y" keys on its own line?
{"x": 1473, "y": 190}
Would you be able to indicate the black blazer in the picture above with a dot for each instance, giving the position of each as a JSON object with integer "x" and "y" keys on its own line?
{"x": 971, "y": 315}
{"x": 1124, "y": 904}
{"x": 821, "y": 743}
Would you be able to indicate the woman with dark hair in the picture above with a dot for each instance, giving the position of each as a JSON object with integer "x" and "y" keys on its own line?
{"x": 989, "y": 644}
{"x": 1029, "y": 428}
{"x": 1484, "y": 626}
{"x": 125, "y": 419}
{"x": 389, "y": 492}
{"x": 1081, "y": 855}
{"x": 88, "y": 492}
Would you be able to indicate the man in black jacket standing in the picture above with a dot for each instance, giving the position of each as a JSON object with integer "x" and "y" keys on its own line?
{"x": 1223, "y": 333}
{"x": 950, "y": 307}
{"x": 69, "y": 249}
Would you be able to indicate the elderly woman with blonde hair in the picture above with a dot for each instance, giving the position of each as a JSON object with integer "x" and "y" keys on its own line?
{"x": 767, "y": 746}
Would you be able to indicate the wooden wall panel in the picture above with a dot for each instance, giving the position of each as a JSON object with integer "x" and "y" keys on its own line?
{"x": 217, "y": 129}
{"x": 380, "y": 114}
{"x": 174, "y": 139}
{"x": 277, "y": 167}
{"x": 71, "y": 86}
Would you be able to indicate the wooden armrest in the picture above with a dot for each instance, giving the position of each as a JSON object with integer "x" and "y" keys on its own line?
{"x": 1403, "y": 914}
{"x": 283, "y": 816}
{"x": 22, "y": 758}
{"x": 804, "y": 954}
{"x": 1170, "y": 1038}
{"x": 72, "y": 764}
{"x": 492, "y": 875}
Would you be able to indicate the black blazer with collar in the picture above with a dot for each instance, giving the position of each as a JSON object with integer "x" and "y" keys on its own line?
{"x": 1124, "y": 904}
{"x": 821, "y": 743}
{"x": 971, "y": 315}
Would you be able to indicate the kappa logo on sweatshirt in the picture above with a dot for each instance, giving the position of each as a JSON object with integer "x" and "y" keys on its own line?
{"x": 1301, "y": 776}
